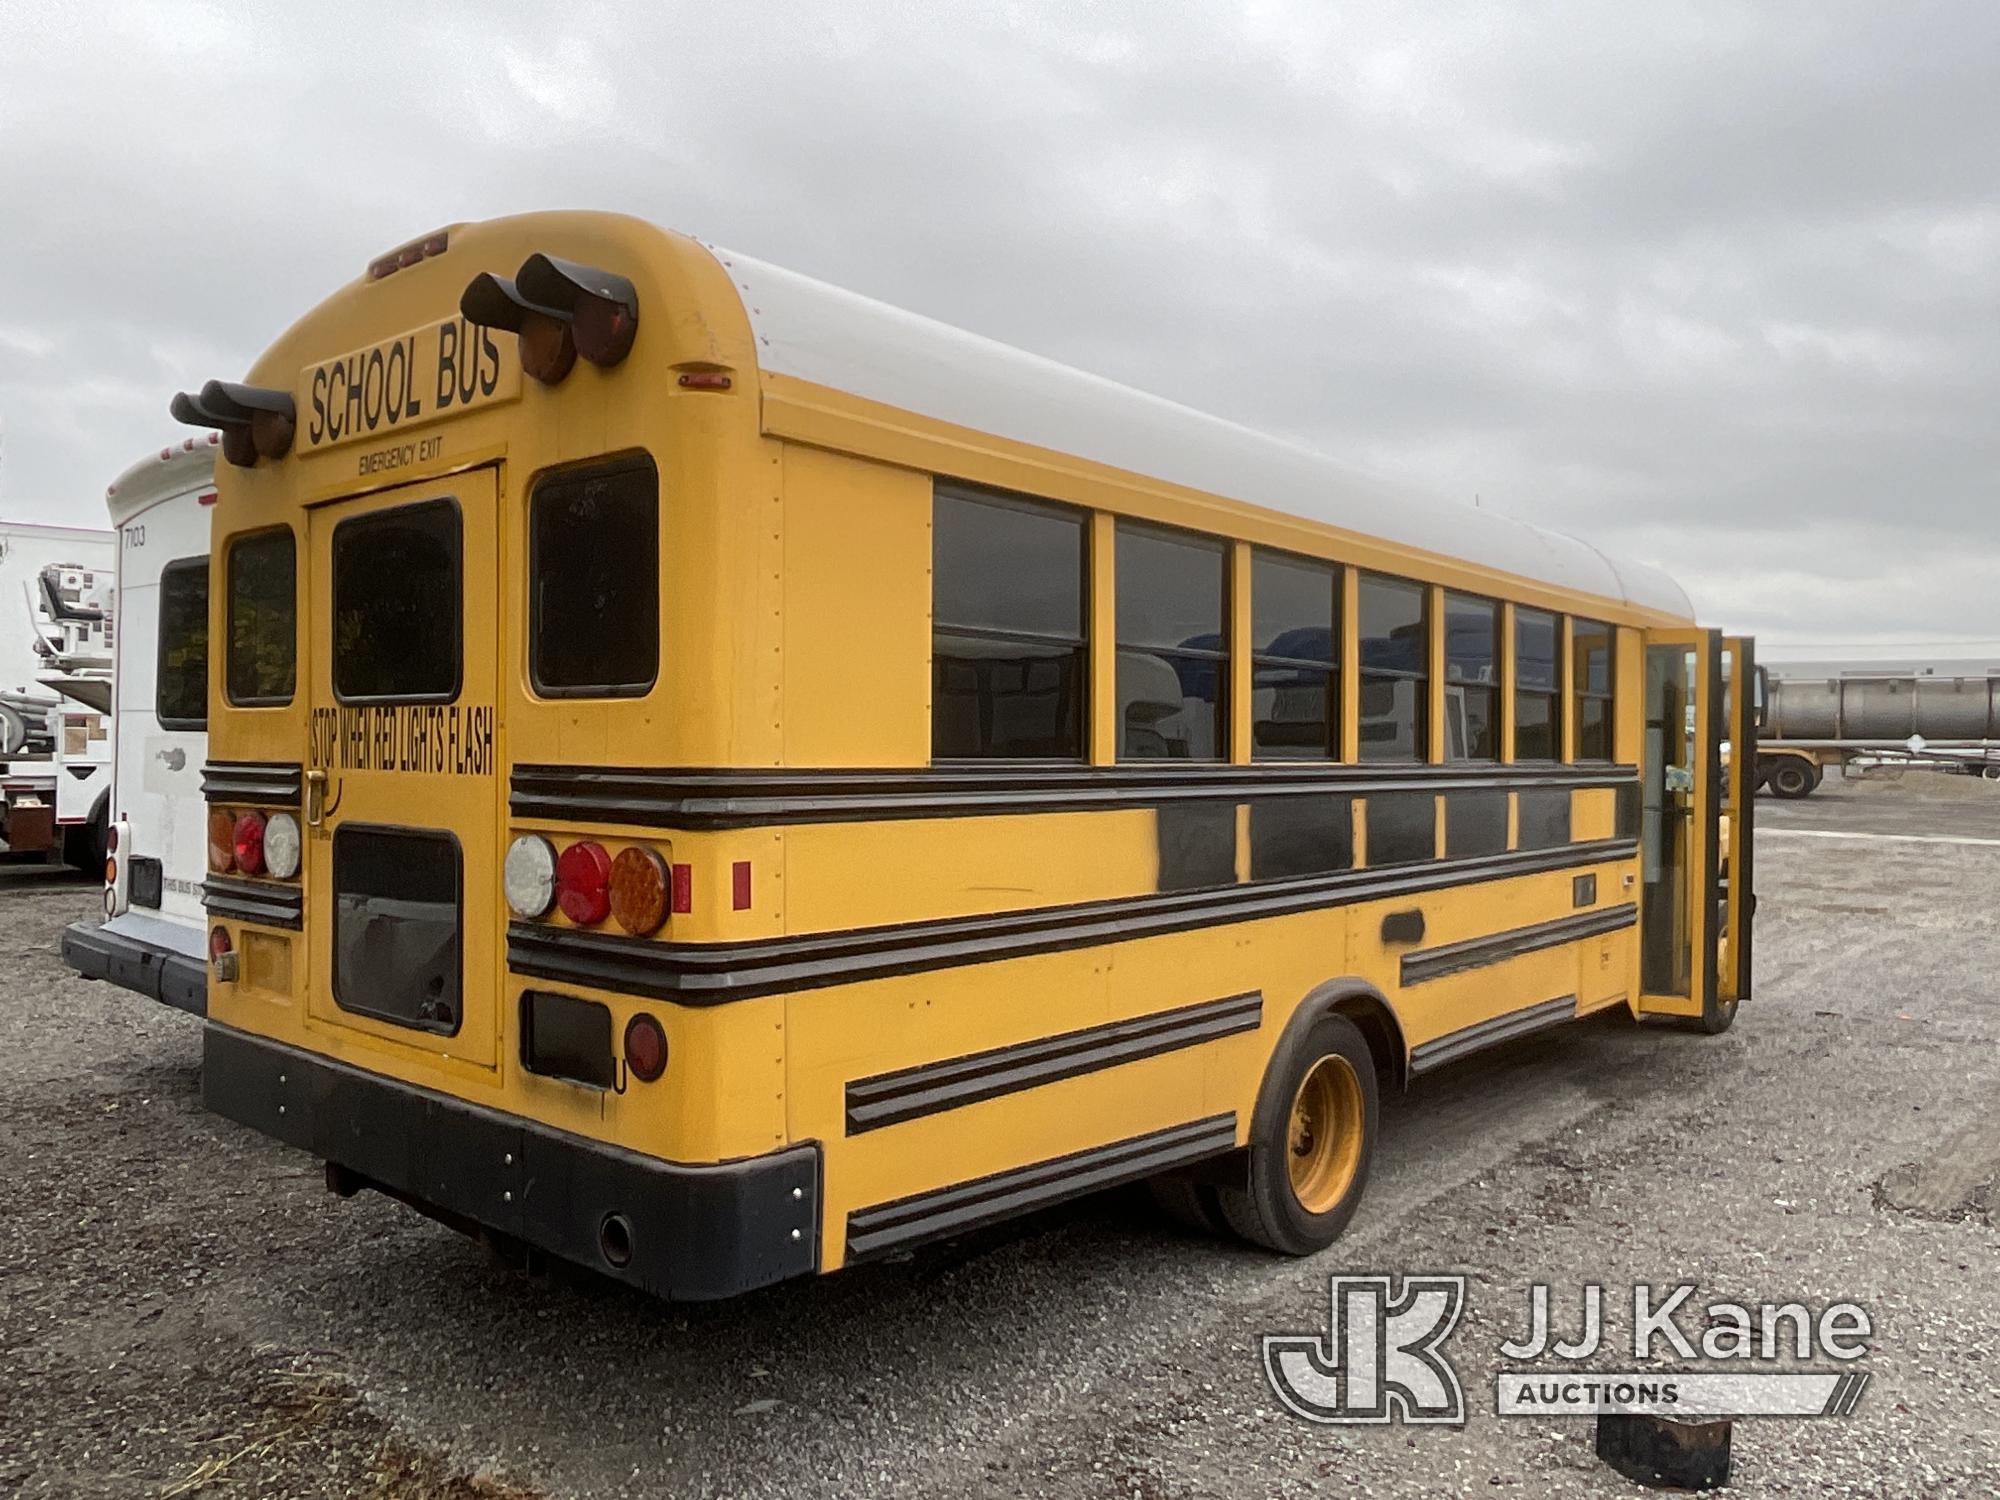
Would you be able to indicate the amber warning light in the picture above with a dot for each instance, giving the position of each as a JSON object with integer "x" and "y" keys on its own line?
{"x": 559, "y": 309}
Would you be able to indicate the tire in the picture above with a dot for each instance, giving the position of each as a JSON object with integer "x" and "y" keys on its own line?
{"x": 1716, "y": 1017}
{"x": 1320, "y": 1086}
{"x": 83, "y": 845}
{"x": 1792, "y": 779}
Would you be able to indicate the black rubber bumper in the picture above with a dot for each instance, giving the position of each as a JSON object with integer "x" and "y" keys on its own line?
{"x": 157, "y": 973}
{"x": 691, "y": 1233}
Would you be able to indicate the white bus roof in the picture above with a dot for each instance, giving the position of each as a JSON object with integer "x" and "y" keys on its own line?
{"x": 840, "y": 339}
{"x": 173, "y": 470}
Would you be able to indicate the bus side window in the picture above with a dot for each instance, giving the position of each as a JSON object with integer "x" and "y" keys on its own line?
{"x": 1591, "y": 645}
{"x": 1472, "y": 677}
{"x": 1537, "y": 686}
{"x": 1295, "y": 656}
{"x": 1395, "y": 669}
{"x": 594, "y": 581}
{"x": 1008, "y": 660}
{"x": 1173, "y": 645}
{"x": 262, "y": 665}
{"x": 180, "y": 682}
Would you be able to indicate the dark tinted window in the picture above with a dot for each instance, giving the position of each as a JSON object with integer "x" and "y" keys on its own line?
{"x": 1295, "y": 700}
{"x": 396, "y": 604}
{"x": 1472, "y": 678}
{"x": 181, "y": 685}
{"x": 1395, "y": 669}
{"x": 1591, "y": 661}
{"x": 395, "y": 926}
{"x": 263, "y": 619}
{"x": 1173, "y": 663}
{"x": 1007, "y": 645}
{"x": 1537, "y": 690}
{"x": 594, "y": 581}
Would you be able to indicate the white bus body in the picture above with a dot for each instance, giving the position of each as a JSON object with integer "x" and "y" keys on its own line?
{"x": 153, "y": 936}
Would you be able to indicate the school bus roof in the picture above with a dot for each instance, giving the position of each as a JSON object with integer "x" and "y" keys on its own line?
{"x": 813, "y": 333}
{"x": 839, "y": 339}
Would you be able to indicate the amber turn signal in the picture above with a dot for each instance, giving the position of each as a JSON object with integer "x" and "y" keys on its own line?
{"x": 221, "y": 841}
{"x": 639, "y": 891}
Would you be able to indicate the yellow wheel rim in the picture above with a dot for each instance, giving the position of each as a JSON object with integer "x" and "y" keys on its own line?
{"x": 1326, "y": 1127}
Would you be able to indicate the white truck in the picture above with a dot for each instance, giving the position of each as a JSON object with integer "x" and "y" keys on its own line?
{"x": 56, "y": 631}
{"x": 153, "y": 936}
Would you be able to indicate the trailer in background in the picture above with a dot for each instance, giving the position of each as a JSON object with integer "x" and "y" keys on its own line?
{"x": 152, "y": 938}
{"x": 1869, "y": 719}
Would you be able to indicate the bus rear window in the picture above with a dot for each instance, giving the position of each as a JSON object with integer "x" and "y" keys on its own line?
{"x": 181, "y": 678}
{"x": 594, "y": 560}
{"x": 396, "y": 605}
{"x": 263, "y": 619}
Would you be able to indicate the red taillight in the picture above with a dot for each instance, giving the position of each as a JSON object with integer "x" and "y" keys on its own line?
{"x": 250, "y": 843}
{"x": 583, "y": 883}
{"x": 221, "y": 841}
{"x": 218, "y": 942}
{"x": 645, "y": 1048}
{"x": 111, "y": 839}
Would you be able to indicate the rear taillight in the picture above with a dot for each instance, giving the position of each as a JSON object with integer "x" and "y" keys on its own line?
{"x": 111, "y": 839}
{"x": 639, "y": 891}
{"x": 221, "y": 841}
{"x": 281, "y": 845}
{"x": 583, "y": 883}
{"x": 249, "y": 843}
{"x": 528, "y": 875}
{"x": 111, "y": 871}
{"x": 221, "y": 954}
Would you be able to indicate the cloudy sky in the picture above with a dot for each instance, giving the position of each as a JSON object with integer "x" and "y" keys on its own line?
{"x": 1711, "y": 285}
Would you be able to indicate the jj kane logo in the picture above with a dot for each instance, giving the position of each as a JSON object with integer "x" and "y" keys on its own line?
{"x": 1381, "y": 1358}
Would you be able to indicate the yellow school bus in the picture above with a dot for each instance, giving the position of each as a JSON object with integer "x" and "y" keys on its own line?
{"x": 715, "y": 778}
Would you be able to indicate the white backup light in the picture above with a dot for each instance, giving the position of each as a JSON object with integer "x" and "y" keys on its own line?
{"x": 281, "y": 845}
{"x": 529, "y": 874}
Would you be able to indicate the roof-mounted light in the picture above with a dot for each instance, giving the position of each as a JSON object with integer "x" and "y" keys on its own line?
{"x": 548, "y": 351}
{"x": 404, "y": 256}
{"x": 255, "y": 422}
{"x": 603, "y": 306}
{"x": 559, "y": 309}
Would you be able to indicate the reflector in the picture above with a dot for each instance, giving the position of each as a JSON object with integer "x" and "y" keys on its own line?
{"x": 645, "y": 1048}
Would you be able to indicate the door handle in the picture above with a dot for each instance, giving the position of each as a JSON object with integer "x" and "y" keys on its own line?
{"x": 315, "y": 798}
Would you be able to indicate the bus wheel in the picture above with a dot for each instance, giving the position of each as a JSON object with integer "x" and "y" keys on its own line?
{"x": 1792, "y": 778}
{"x": 1311, "y": 1141}
{"x": 83, "y": 844}
{"x": 1716, "y": 1017}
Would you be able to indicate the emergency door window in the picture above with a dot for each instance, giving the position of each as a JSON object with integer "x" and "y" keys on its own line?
{"x": 396, "y": 605}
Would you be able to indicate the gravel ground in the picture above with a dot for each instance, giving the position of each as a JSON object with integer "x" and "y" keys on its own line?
{"x": 184, "y": 1310}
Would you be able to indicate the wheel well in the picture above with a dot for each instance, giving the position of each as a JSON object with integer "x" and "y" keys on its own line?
{"x": 1366, "y": 1007}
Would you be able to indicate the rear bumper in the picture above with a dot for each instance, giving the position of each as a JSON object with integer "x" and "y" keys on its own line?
{"x": 156, "y": 972}
{"x": 692, "y": 1233}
